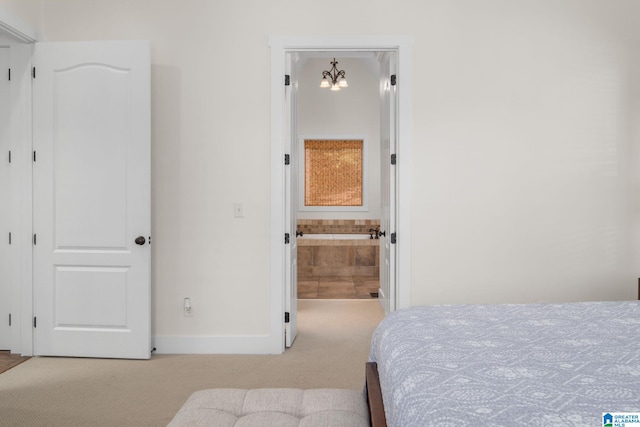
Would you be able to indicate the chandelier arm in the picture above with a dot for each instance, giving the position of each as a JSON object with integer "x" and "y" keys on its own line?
{"x": 334, "y": 73}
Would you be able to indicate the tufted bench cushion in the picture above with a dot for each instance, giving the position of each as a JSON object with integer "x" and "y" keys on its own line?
{"x": 273, "y": 407}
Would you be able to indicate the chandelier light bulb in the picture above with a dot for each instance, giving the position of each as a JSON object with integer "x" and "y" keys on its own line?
{"x": 337, "y": 77}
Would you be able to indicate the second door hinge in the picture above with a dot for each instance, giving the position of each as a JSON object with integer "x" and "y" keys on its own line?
{"x": 287, "y": 238}
{"x": 35, "y": 322}
{"x": 286, "y": 317}
{"x": 394, "y": 159}
{"x": 393, "y": 238}
{"x": 287, "y": 80}
{"x": 287, "y": 159}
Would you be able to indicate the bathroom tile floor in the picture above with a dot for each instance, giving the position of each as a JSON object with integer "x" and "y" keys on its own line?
{"x": 337, "y": 287}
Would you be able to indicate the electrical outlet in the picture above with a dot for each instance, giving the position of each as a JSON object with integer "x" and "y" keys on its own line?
{"x": 187, "y": 307}
{"x": 238, "y": 211}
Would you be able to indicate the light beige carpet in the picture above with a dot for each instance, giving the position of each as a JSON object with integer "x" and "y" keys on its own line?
{"x": 330, "y": 351}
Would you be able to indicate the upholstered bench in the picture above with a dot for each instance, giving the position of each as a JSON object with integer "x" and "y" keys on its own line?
{"x": 273, "y": 407}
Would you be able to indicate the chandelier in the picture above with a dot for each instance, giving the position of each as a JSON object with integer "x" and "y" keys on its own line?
{"x": 336, "y": 76}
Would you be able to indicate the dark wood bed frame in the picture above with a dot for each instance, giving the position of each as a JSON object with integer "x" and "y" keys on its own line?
{"x": 374, "y": 395}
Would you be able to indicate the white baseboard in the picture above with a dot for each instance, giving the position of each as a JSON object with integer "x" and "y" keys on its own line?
{"x": 240, "y": 344}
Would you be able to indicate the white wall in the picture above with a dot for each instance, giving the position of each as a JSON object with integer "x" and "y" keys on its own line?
{"x": 528, "y": 184}
{"x": 524, "y": 184}
{"x": 352, "y": 111}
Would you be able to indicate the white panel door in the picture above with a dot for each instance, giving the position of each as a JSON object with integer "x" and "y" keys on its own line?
{"x": 92, "y": 199}
{"x": 5, "y": 196}
{"x": 291, "y": 199}
{"x": 386, "y": 294}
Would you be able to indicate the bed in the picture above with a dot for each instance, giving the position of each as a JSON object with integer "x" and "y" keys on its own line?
{"x": 505, "y": 365}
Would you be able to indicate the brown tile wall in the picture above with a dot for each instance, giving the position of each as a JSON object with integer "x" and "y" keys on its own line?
{"x": 338, "y": 260}
{"x": 337, "y": 226}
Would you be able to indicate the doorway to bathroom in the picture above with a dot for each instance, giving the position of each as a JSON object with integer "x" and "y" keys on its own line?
{"x": 340, "y": 176}
{"x": 391, "y": 55}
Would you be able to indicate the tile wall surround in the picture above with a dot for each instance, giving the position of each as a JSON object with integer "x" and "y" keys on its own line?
{"x": 324, "y": 258}
{"x": 337, "y": 226}
{"x": 322, "y": 261}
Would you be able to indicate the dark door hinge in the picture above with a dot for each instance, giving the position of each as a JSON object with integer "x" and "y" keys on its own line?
{"x": 287, "y": 80}
{"x": 393, "y": 238}
{"x": 33, "y": 72}
{"x": 9, "y": 237}
{"x": 35, "y": 322}
{"x": 9, "y": 319}
{"x": 393, "y": 79}
{"x": 35, "y": 239}
{"x": 287, "y": 159}
{"x": 393, "y": 159}
{"x": 9, "y": 156}
{"x": 287, "y": 238}
{"x": 286, "y": 317}
{"x": 34, "y": 156}
{"x": 9, "y": 74}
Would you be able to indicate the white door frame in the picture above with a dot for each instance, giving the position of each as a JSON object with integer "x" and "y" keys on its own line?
{"x": 22, "y": 38}
{"x": 279, "y": 46}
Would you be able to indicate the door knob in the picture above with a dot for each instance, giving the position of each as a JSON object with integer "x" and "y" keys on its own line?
{"x": 140, "y": 240}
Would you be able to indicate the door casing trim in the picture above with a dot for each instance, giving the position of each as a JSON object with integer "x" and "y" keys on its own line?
{"x": 21, "y": 52}
{"x": 280, "y": 45}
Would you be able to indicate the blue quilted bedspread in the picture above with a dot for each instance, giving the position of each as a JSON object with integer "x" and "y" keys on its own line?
{"x": 509, "y": 365}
